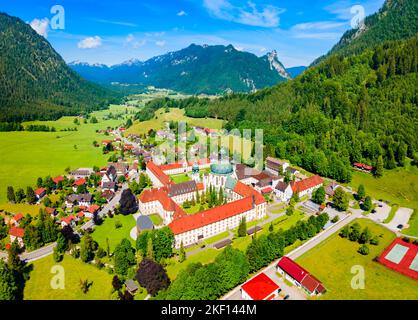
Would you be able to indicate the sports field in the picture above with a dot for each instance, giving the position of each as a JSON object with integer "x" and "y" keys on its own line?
{"x": 332, "y": 262}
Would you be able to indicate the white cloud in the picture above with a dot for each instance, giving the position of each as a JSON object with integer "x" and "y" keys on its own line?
{"x": 182, "y": 13}
{"x": 341, "y": 9}
{"x": 90, "y": 43}
{"x": 262, "y": 50}
{"x": 318, "y": 35}
{"x": 130, "y": 38}
{"x": 138, "y": 44}
{"x": 249, "y": 14}
{"x": 41, "y": 26}
{"x": 320, "y": 25}
{"x": 118, "y": 23}
{"x": 160, "y": 43}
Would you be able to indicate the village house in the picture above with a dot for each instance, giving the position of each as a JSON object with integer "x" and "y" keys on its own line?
{"x": 40, "y": 193}
{"x": 363, "y": 167}
{"x": 58, "y": 179}
{"x": 16, "y": 234}
{"x": 285, "y": 191}
{"x": 260, "y": 287}
{"x": 81, "y": 173}
{"x": 78, "y": 200}
{"x": 51, "y": 211}
{"x": 299, "y": 276}
{"x": 68, "y": 221}
{"x": 16, "y": 219}
{"x": 330, "y": 189}
{"x": 78, "y": 183}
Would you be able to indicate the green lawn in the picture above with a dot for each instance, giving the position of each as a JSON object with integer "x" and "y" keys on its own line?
{"x": 332, "y": 260}
{"x": 115, "y": 236}
{"x": 24, "y": 208}
{"x": 25, "y": 156}
{"x": 392, "y": 212}
{"x": 196, "y": 208}
{"x": 175, "y": 115}
{"x": 399, "y": 185}
{"x": 38, "y": 287}
{"x": 413, "y": 225}
{"x": 179, "y": 178}
{"x": 156, "y": 219}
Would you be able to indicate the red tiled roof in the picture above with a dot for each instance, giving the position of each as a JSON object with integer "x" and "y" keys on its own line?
{"x": 68, "y": 219}
{"x": 260, "y": 287}
{"x": 200, "y": 186}
{"x": 50, "y": 210}
{"x": 17, "y": 217}
{"x": 362, "y": 166}
{"x": 93, "y": 208}
{"x": 80, "y": 214}
{"x": 171, "y": 166}
{"x": 292, "y": 269}
{"x": 17, "y": 232}
{"x": 312, "y": 284}
{"x": 82, "y": 208}
{"x": 8, "y": 246}
{"x": 40, "y": 191}
{"x": 247, "y": 191}
{"x": 159, "y": 174}
{"x": 267, "y": 190}
{"x": 80, "y": 182}
{"x": 58, "y": 179}
{"x": 159, "y": 195}
{"x": 307, "y": 183}
{"x": 204, "y": 218}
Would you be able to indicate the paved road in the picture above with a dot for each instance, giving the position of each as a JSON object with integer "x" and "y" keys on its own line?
{"x": 271, "y": 269}
{"x": 108, "y": 207}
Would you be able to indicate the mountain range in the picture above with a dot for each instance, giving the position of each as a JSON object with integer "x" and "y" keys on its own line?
{"x": 194, "y": 70}
{"x": 35, "y": 82}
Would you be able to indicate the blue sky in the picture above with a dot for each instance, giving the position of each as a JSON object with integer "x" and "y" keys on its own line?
{"x": 111, "y": 32}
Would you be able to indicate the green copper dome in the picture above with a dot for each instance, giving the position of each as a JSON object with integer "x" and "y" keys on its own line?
{"x": 221, "y": 168}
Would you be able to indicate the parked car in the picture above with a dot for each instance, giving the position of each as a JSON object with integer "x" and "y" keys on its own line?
{"x": 286, "y": 297}
{"x": 373, "y": 211}
{"x": 400, "y": 226}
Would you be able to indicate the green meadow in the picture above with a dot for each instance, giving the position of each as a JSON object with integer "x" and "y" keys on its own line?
{"x": 176, "y": 115}
{"x": 332, "y": 260}
{"x": 38, "y": 287}
{"x": 25, "y": 156}
{"x": 399, "y": 186}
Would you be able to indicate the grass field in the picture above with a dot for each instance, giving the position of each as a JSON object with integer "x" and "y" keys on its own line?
{"x": 392, "y": 212}
{"x": 38, "y": 287}
{"x": 332, "y": 260}
{"x": 179, "y": 178}
{"x": 24, "y": 208}
{"x": 399, "y": 185}
{"x": 156, "y": 219}
{"x": 25, "y": 156}
{"x": 108, "y": 230}
{"x": 174, "y": 115}
{"x": 413, "y": 225}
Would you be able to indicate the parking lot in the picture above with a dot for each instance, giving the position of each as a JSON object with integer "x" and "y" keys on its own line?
{"x": 401, "y": 217}
{"x": 382, "y": 211}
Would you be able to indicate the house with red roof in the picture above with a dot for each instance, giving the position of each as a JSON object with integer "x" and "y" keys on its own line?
{"x": 51, "y": 211}
{"x": 16, "y": 234}
{"x": 363, "y": 167}
{"x": 299, "y": 276}
{"x": 16, "y": 219}
{"x": 40, "y": 193}
{"x": 79, "y": 182}
{"x": 307, "y": 186}
{"x": 261, "y": 287}
{"x": 68, "y": 221}
{"x": 58, "y": 179}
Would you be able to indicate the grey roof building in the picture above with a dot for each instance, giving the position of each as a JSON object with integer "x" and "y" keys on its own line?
{"x": 144, "y": 223}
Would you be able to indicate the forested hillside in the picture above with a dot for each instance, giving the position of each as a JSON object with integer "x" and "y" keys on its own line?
{"x": 35, "y": 83}
{"x": 344, "y": 110}
{"x": 396, "y": 20}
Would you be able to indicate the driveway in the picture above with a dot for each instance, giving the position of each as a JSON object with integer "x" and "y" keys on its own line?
{"x": 401, "y": 217}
